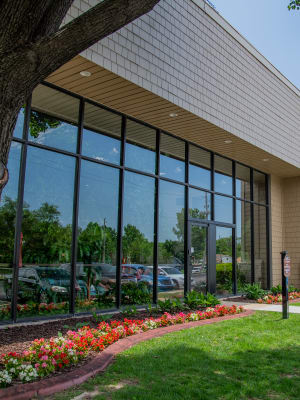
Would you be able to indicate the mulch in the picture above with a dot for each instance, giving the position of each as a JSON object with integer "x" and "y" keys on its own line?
{"x": 67, "y": 379}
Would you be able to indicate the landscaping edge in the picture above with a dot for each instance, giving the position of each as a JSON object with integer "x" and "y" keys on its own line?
{"x": 49, "y": 386}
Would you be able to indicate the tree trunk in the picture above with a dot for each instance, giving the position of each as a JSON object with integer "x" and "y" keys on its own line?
{"x": 8, "y": 116}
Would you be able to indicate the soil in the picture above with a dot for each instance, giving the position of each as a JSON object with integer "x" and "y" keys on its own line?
{"x": 18, "y": 338}
{"x": 241, "y": 299}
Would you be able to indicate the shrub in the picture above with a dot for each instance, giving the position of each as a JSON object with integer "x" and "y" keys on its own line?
{"x": 196, "y": 299}
{"x": 276, "y": 289}
{"x": 253, "y": 292}
{"x": 133, "y": 293}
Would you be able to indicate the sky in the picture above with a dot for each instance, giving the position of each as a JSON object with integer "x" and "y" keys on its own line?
{"x": 270, "y": 27}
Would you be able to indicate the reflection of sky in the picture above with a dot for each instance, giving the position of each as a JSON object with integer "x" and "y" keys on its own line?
{"x": 100, "y": 147}
{"x": 222, "y": 232}
{"x": 223, "y": 209}
{"x": 139, "y": 158}
{"x": 172, "y": 168}
{"x": 199, "y": 176}
{"x": 223, "y": 183}
{"x": 18, "y": 132}
{"x": 50, "y": 178}
{"x": 171, "y": 202}
{"x": 99, "y": 190}
{"x": 63, "y": 137}
{"x": 139, "y": 203}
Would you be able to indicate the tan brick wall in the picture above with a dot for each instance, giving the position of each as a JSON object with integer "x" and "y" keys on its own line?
{"x": 291, "y": 225}
{"x": 277, "y": 227}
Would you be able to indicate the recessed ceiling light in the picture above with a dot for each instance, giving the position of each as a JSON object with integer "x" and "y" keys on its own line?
{"x": 227, "y": 141}
{"x": 85, "y": 73}
{"x": 173, "y": 115}
{"x": 265, "y": 159}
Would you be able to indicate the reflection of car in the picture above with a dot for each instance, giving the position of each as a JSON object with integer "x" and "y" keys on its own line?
{"x": 145, "y": 274}
{"x": 44, "y": 284}
{"x": 173, "y": 273}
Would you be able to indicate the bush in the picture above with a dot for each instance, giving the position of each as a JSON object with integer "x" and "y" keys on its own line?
{"x": 276, "y": 290}
{"x": 196, "y": 299}
{"x": 133, "y": 293}
{"x": 224, "y": 276}
{"x": 253, "y": 292}
{"x": 171, "y": 305}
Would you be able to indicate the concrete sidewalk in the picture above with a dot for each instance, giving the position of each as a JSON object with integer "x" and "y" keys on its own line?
{"x": 263, "y": 307}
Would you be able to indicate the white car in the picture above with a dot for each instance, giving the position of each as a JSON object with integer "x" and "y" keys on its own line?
{"x": 173, "y": 273}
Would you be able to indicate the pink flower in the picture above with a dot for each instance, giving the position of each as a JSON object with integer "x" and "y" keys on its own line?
{"x": 44, "y": 365}
{"x": 37, "y": 365}
{"x": 53, "y": 362}
{"x": 45, "y": 358}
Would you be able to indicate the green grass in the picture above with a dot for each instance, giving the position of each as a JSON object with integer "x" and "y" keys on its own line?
{"x": 295, "y": 304}
{"x": 249, "y": 358}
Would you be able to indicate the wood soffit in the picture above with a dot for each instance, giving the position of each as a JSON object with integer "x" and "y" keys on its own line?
{"x": 107, "y": 88}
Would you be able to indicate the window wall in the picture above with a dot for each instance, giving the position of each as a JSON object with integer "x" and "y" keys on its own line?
{"x": 97, "y": 210}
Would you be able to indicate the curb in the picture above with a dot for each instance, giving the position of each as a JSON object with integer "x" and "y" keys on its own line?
{"x": 48, "y": 386}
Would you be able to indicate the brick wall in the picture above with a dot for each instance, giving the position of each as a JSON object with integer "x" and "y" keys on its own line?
{"x": 291, "y": 222}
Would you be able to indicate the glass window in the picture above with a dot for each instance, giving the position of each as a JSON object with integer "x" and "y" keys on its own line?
{"x": 95, "y": 144}
{"x": 223, "y": 175}
{"x": 199, "y": 168}
{"x": 138, "y": 233}
{"x": 171, "y": 241}
{"x": 54, "y": 118}
{"x": 199, "y": 204}
{"x": 242, "y": 183}
{"x": 223, "y": 209}
{"x": 100, "y": 120}
{"x": 259, "y": 187}
{"x": 223, "y": 260}
{"x": 18, "y": 131}
{"x": 140, "y": 147}
{"x": 8, "y": 208}
{"x": 243, "y": 243}
{"x": 172, "y": 158}
{"x": 97, "y": 237}
{"x": 100, "y": 147}
{"x": 260, "y": 245}
{"x": 47, "y": 233}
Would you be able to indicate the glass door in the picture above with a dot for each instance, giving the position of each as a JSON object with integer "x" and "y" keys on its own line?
{"x": 224, "y": 266}
{"x": 198, "y": 265}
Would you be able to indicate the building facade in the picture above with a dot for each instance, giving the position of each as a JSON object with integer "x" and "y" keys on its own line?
{"x": 165, "y": 158}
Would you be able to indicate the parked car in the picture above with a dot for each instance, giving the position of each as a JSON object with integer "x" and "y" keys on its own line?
{"x": 44, "y": 285}
{"x": 145, "y": 274}
{"x": 173, "y": 273}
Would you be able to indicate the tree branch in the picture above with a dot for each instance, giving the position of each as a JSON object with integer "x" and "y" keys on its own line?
{"x": 18, "y": 18}
{"x": 87, "y": 29}
{"x": 53, "y": 18}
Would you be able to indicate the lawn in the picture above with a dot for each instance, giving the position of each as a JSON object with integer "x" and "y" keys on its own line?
{"x": 249, "y": 358}
{"x": 295, "y": 304}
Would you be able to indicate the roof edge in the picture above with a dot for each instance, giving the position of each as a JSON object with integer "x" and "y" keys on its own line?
{"x": 211, "y": 12}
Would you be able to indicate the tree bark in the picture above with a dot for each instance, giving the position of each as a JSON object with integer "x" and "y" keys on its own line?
{"x": 32, "y": 47}
{"x": 8, "y": 116}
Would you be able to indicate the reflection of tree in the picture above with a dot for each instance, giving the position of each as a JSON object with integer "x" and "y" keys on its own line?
{"x": 45, "y": 239}
{"x": 39, "y": 123}
{"x": 7, "y": 229}
{"x": 96, "y": 244}
{"x": 136, "y": 248}
{"x": 224, "y": 246}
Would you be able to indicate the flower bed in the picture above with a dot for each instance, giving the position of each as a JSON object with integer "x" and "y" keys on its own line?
{"x": 44, "y": 357}
{"x": 273, "y": 299}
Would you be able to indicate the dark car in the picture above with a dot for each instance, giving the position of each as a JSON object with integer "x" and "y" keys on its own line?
{"x": 44, "y": 285}
{"x": 145, "y": 274}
